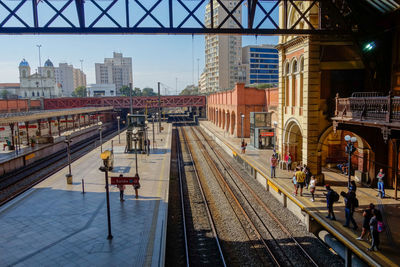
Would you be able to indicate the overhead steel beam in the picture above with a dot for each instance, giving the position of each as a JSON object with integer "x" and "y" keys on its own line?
{"x": 116, "y": 17}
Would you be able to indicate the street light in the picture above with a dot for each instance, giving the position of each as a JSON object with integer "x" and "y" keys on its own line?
{"x": 275, "y": 139}
{"x": 135, "y": 138}
{"x": 152, "y": 116}
{"x": 108, "y": 163}
{"x": 350, "y": 150}
{"x": 101, "y": 137}
{"x": 119, "y": 137}
{"x": 69, "y": 175}
{"x": 242, "y": 116}
{"x": 145, "y": 136}
{"x": 159, "y": 127}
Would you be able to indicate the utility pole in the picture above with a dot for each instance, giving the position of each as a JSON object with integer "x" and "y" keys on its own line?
{"x": 159, "y": 109}
{"x": 198, "y": 72}
{"x": 130, "y": 96}
{"x": 40, "y": 65}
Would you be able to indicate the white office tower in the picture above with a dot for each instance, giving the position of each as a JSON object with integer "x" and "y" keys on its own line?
{"x": 116, "y": 70}
{"x": 223, "y": 52}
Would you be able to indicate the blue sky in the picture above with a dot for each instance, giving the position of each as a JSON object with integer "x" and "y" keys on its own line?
{"x": 155, "y": 57}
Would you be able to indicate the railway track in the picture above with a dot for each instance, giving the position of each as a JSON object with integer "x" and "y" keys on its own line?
{"x": 281, "y": 253}
{"x": 15, "y": 183}
{"x": 202, "y": 245}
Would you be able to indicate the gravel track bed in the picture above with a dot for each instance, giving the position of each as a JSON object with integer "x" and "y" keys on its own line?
{"x": 320, "y": 253}
{"x": 237, "y": 239}
{"x": 201, "y": 242}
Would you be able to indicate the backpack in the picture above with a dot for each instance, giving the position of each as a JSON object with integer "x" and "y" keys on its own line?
{"x": 380, "y": 226}
{"x": 335, "y": 196}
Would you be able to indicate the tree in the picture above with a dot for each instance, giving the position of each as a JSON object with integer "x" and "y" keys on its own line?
{"x": 148, "y": 92}
{"x": 5, "y": 94}
{"x": 190, "y": 90}
{"x": 125, "y": 91}
{"x": 80, "y": 92}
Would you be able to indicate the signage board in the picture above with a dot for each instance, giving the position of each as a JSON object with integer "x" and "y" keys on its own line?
{"x": 124, "y": 180}
{"x": 267, "y": 133}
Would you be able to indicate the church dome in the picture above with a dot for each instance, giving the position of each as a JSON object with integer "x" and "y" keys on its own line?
{"x": 24, "y": 63}
{"x": 48, "y": 63}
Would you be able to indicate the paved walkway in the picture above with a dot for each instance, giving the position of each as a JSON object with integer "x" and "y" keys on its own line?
{"x": 390, "y": 241}
{"x": 54, "y": 224}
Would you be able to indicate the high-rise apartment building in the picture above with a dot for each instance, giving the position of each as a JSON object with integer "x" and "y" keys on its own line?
{"x": 262, "y": 64}
{"x": 222, "y": 52}
{"x": 68, "y": 77}
{"x": 116, "y": 70}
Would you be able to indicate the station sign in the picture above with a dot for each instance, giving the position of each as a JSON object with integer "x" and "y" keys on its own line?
{"x": 267, "y": 133}
{"x": 124, "y": 180}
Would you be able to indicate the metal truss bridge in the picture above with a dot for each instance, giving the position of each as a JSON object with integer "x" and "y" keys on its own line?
{"x": 124, "y": 102}
{"x": 251, "y": 17}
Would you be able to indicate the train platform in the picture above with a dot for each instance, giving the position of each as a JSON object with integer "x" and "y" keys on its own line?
{"x": 259, "y": 160}
{"x": 56, "y": 224}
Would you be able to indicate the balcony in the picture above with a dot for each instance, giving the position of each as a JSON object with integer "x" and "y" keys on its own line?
{"x": 369, "y": 109}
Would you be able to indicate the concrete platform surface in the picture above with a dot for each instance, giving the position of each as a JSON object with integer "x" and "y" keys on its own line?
{"x": 390, "y": 208}
{"x": 55, "y": 224}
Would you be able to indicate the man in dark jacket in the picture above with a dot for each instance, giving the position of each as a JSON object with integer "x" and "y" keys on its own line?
{"x": 350, "y": 200}
{"x": 329, "y": 202}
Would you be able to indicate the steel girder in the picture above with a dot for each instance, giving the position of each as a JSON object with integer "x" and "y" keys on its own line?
{"x": 124, "y": 102}
{"x": 166, "y": 17}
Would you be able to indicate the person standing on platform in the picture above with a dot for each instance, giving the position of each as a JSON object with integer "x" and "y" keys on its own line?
{"x": 148, "y": 146}
{"x": 330, "y": 199}
{"x": 367, "y": 215}
{"x": 300, "y": 178}
{"x": 350, "y": 200}
{"x": 312, "y": 187}
{"x": 294, "y": 181}
{"x": 381, "y": 185}
{"x": 274, "y": 162}
{"x": 308, "y": 175}
{"x": 121, "y": 188}
{"x": 373, "y": 226}
{"x": 288, "y": 160}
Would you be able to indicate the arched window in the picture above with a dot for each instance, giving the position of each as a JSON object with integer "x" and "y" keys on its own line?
{"x": 287, "y": 69}
{"x": 294, "y": 70}
{"x": 26, "y": 94}
{"x": 287, "y": 72}
{"x": 23, "y": 73}
{"x": 301, "y": 82}
{"x": 294, "y": 83}
{"x": 37, "y": 94}
{"x": 33, "y": 93}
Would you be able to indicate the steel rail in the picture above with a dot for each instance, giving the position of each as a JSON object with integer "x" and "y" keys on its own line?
{"x": 204, "y": 199}
{"x": 259, "y": 201}
{"x": 178, "y": 153}
{"x": 245, "y": 214}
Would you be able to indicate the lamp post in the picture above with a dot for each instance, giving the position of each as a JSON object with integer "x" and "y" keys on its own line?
{"x": 107, "y": 159}
{"x": 100, "y": 132}
{"x": 216, "y": 110}
{"x": 159, "y": 124}
{"x": 152, "y": 116}
{"x": 275, "y": 139}
{"x": 145, "y": 136}
{"x": 134, "y": 133}
{"x": 69, "y": 175}
{"x": 242, "y": 117}
{"x": 119, "y": 137}
{"x": 40, "y": 65}
{"x": 350, "y": 150}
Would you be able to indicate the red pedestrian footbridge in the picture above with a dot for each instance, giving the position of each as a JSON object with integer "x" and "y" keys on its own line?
{"x": 124, "y": 102}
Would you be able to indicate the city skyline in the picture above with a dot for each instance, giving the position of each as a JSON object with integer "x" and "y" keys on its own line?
{"x": 164, "y": 59}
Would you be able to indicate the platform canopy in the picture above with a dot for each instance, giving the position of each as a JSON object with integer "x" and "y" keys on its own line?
{"x": 45, "y": 114}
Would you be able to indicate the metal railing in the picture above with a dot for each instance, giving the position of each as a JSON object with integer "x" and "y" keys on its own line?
{"x": 376, "y": 108}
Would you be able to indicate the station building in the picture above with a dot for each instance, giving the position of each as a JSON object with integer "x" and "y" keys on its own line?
{"x": 330, "y": 86}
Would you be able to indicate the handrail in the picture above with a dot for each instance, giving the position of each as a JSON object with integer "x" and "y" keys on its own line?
{"x": 376, "y": 108}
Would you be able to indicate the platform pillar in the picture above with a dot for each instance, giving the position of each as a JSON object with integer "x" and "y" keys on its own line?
{"x": 66, "y": 122}
{"x": 49, "y": 121}
{"x": 58, "y": 126}
{"x": 27, "y": 132}
{"x": 39, "y": 128}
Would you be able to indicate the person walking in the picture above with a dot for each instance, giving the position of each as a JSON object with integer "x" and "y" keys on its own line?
{"x": 312, "y": 187}
{"x": 350, "y": 200}
{"x": 308, "y": 174}
{"x": 294, "y": 181}
{"x": 373, "y": 226}
{"x": 330, "y": 199}
{"x": 148, "y": 146}
{"x": 274, "y": 162}
{"x": 367, "y": 215}
{"x": 381, "y": 185}
{"x": 300, "y": 178}
{"x": 121, "y": 188}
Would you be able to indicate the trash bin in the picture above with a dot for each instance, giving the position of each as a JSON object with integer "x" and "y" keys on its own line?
{"x": 69, "y": 178}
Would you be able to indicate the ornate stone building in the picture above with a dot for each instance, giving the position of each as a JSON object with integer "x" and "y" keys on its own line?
{"x": 36, "y": 85}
